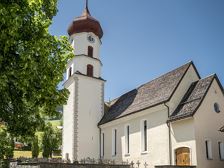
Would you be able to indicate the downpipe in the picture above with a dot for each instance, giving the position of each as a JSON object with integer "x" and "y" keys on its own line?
{"x": 169, "y": 133}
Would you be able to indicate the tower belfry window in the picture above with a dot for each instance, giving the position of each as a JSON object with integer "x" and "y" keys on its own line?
{"x": 90, "y": 51}
{"x": 89, "y": 70}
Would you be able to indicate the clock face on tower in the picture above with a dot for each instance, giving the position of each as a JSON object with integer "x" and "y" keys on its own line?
{"x": 90, "y": 38}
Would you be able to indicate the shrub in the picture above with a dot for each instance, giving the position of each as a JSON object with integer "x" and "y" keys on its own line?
{"x": 35, "y": 147}
{"x": 6, "y": 145}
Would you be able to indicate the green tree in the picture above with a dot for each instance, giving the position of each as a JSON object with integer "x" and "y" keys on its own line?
{"x": 32, "y": 63}
{"x": 6, "y": 145}
{"x": 51, "y": 140}
{"x": 35, "y": 147}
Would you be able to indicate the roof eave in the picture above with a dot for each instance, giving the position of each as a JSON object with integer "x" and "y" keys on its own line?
{"x": 101, "y": 123}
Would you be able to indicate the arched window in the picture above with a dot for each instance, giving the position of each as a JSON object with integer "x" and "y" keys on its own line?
{"x": 89, "y": 70}
{"x": 144, "y": 136}
{"x": 90, "y": 51}
{"x": 127, "y": 138}
{"x": 114, "y": 142}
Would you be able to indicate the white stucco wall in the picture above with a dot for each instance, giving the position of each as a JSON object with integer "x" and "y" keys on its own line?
{"x": 183, "y": 135}
{"x": 90, "y": 111}
{"x": 157, "y": 136}
{"x": 207, "y": 125}
{"x": 68, "y": 122}
{"x": 83, "y": 111}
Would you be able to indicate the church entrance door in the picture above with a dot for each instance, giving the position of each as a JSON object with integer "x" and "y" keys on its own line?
{"x": 183, "y": 156}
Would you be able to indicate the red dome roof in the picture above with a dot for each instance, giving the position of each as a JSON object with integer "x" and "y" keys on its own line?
{"x": 85, "y": 23}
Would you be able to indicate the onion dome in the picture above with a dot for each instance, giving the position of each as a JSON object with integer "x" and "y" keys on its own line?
{"x": 85, "y": 23}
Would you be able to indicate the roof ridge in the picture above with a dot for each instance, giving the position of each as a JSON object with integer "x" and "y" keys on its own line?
{"x": 188, "y": 63}
{"x": 208, "y": 76}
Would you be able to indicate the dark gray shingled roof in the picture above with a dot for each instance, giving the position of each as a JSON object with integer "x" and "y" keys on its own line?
{"x": 150, "y": 94}
{"x": 192, "y": 99}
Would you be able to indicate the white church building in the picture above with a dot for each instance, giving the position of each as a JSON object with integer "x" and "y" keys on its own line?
{"x": 174, "y": 119}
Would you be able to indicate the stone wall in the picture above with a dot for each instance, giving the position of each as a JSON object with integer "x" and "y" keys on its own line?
{"x": 175, "y": 166}
{"x": 69, "y": 165}
{"x": 64, "y": 165}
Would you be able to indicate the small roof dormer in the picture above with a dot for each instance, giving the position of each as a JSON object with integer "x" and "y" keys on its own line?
{"x": 85, "y": 23}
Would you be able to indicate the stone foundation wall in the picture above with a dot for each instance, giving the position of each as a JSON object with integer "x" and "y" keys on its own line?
{"x": 64, "y": 165}
{"x": 175, "y": 166}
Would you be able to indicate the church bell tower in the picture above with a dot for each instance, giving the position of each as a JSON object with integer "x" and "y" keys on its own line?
{"x": 85, "y": 105}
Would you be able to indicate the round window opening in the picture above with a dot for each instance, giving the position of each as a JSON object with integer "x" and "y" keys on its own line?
{"x": 216, "y": 108}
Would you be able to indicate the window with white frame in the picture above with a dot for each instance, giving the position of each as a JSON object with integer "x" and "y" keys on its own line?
{"x": 102, "y": 144}
{"x": 221, "y": 150}
{"x": 144, "y": 141}
{"x": 127, "y": 139}
{"x": 208, "y": 149}
{"x": 114, "y": 142}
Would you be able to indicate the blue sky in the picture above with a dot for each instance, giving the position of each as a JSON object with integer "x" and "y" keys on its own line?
{"x": 144, "y": 39}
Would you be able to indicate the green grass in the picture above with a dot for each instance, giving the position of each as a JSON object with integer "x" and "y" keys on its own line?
{"x": 28, "y": 154}
{"x": 25, "y": 154}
